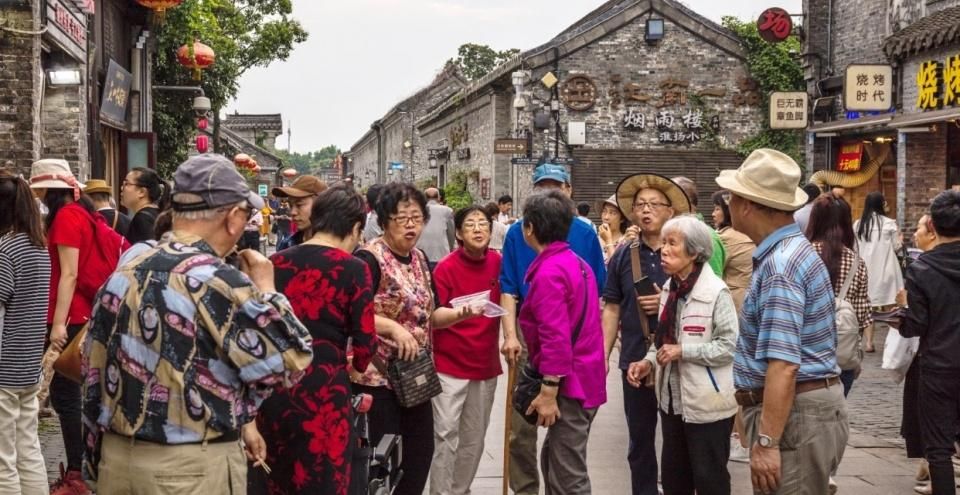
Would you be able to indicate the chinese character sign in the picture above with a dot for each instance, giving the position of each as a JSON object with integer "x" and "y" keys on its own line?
{"x": 774, "y": 25}
{"x": 928, "y": 85}
{"x": 868, "y": 88}
{"x": 951, "y": 81}
{"x": 849, "y": 157}
{"x": 788, "y": 110}
{"x": 116, "y": 93}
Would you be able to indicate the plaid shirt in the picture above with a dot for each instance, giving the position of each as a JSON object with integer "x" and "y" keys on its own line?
{"x": 857, "y": 293}
{"x": 182, "y": 348}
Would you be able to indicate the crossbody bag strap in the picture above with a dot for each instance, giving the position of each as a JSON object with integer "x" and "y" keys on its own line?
{"x": 586, "y": 301}
{"x": 637, "y": 270}
{"x": 116, "y": 218}
{"x": 850, "y": 276}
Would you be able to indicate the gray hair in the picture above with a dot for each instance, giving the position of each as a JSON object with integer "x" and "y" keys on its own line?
{"x": 207, "y": 214}
{"x": 696, "y": 236}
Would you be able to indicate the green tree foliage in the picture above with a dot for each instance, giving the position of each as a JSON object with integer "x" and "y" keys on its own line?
{"x": 475, "y": 61}
{"x": 775, "y": 68}
{"x": 243, "y": 33}
{"x": 456, "y": 192}
{"x": 307, "y": 163}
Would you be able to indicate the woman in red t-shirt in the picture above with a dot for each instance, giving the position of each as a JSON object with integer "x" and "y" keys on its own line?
{"x": 70, "y": 236}
{"x": 467, "y": 356}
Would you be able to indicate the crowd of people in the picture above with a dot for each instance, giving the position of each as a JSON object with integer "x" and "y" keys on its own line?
{"x": 206, "y": 364}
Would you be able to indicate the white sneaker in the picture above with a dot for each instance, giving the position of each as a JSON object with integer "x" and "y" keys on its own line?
{"x": 738, "y": 453}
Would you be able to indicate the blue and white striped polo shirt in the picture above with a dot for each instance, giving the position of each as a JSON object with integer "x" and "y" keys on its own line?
{"x": 788, "y": 313}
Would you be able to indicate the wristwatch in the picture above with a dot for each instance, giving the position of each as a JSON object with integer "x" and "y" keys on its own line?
{"x": 768, "y": 442}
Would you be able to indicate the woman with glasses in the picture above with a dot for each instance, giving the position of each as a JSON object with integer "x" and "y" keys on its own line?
{"x": 144, "y": 194}
{"x": 467, "y": 355}
{"x": 406, "y": 313}
{"x": 24, "y": 289}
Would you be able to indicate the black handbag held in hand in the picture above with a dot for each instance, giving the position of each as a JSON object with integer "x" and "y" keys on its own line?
{"x": 414, "y": 382}
{"x": 529, "y": 380}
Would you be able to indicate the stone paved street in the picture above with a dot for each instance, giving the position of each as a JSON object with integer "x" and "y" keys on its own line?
{"x": 874, "y": 462}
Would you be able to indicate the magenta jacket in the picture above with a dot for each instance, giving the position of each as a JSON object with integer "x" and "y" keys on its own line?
{"x": 552, "y": 307}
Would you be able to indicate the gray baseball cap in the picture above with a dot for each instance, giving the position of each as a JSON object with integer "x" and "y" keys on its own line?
{"x": 208, "y": 181}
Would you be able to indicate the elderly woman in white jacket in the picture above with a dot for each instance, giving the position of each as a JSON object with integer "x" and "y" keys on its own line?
{"x": 693, "y": 357}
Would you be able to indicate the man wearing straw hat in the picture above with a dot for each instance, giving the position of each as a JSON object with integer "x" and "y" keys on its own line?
{"x": 102, "y": 196}
{"x": 631, "y": 305}
{"x": 785, "y": 366}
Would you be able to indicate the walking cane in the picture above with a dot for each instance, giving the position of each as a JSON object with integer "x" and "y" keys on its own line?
{"x": 508, "y": 424}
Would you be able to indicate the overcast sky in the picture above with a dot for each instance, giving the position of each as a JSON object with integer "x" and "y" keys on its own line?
{"x": 363, "y": 56}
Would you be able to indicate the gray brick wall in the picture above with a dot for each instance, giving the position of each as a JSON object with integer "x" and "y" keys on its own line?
{"x": 19, "y": 89}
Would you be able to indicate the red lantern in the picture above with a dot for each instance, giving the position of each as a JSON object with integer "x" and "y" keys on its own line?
{"x": 203, "y": 143}
{"x": 202, "y": 123}
{"x": 197, "y": 57}
{"x": 289, "y": 173}
{"x": 159, "y": 7}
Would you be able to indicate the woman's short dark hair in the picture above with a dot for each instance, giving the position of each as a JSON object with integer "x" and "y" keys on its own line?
{"x": 463, "y": 213}
{"x": 505, "y": 199}
{"x": 337, "y": 210}
{"x": 373, "y": 193}
{"x": 158, "y": 190}
{"x": 395, "y": 193}
{"x": 492, "y": 209}
{"x": 550, "y": 215}
{"x": 720, "y": 199}
{"x": 18, "y": 210}
{"x": 945, "y": 213}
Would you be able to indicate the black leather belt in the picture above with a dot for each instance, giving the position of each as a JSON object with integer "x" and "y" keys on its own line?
{"x": 754, "y": 397}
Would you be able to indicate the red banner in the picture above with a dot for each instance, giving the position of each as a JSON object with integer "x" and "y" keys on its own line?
{"x": 849, "y": 157}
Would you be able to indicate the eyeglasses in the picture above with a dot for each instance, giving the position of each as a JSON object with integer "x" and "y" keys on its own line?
{"x": 403, "y": 219}
{"x": 127, "y": 183}
{"x": 476, "y": 225}
{"x": 654, "y": 206}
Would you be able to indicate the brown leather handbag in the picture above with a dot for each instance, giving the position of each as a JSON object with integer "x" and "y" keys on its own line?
{"x": 68, "y": 363}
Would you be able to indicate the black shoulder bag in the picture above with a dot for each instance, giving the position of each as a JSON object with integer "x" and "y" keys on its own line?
{"x": 528, "y": 381}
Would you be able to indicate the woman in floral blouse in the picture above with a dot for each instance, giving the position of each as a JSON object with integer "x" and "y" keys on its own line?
{"x": 406, "y": 314}
{"x": 307, "y": 428}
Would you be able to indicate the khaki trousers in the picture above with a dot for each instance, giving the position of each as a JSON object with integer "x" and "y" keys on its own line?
{"x": 461, "y": 414}
{"x": 133, "y": 467}
{"x": 812, "y": 443}
{"x": 22, "y": 471}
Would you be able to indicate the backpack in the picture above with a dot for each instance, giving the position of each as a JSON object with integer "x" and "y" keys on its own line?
{"x": 101, "y": 261}
{"x": 849, "y": 352}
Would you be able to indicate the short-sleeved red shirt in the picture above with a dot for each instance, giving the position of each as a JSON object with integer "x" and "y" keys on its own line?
{"x": 72, "y": 228}
{"x": 470, "y": 349}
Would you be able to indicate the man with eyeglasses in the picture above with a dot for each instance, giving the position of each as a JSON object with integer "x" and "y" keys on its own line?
{"x": 439, "y": 235}
{"x": 517, "y": 257}
{"x": 648, "y": 200}
{"x": 300, "y": 196}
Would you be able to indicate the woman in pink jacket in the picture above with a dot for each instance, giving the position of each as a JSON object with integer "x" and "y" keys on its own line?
{"x": 560, "y": 321}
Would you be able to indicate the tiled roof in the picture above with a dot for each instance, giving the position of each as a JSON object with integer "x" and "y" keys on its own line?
{"x": 254, "y": 121}
{"x": 932, "y": 31}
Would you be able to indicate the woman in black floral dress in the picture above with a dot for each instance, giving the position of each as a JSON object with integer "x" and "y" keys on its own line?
{"x": 307, "y": 428}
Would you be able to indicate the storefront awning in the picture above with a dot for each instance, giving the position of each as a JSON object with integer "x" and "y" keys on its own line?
{"x": 925, "y": 118}
{"x": 846, "y": 125}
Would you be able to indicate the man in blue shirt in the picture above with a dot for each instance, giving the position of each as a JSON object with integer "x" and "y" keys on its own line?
{"x": 785, "y": 367}
{"x": 517, "y": 257}
{"x": 648, "y": 200}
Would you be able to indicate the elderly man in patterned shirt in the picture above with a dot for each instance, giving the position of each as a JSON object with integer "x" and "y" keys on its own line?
{"x": 183, "y": 348}
{"x": 785, "y": 367}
